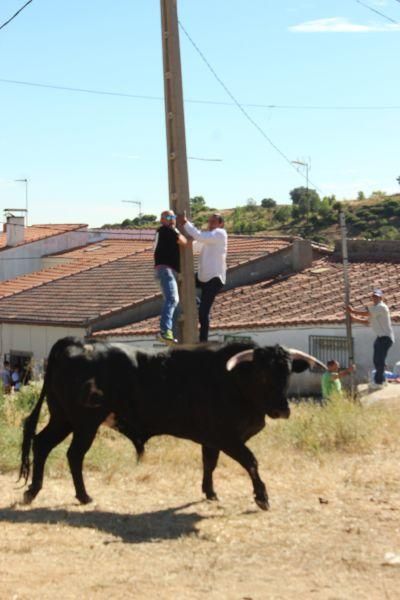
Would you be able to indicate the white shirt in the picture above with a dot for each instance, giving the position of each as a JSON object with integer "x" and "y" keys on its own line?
{"x": 213, "y": 246}
{"x": 379, "y": 318}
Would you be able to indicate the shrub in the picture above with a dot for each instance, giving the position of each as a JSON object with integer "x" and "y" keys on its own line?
{"x": 338, "y": 425}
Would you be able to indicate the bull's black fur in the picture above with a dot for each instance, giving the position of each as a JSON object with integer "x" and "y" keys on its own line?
{"x": 187, "y": 393}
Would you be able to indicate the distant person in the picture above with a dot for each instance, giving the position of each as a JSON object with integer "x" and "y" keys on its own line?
{"x": 16, "y": 378}
{"x": 331, "y": 385}
{"x": 6, "y": 377}
{"x": 211, "y": 274}
{"x": 378, "y": 317}
{"x": 166, "y": 268}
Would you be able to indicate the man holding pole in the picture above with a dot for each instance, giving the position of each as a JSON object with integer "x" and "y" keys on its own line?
{"x": 378, "y": 317}
{"x": 211, "y": 274}
{"x": 166, "y": 269}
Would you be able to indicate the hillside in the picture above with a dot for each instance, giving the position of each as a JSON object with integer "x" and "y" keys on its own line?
{"x": 374, "y": 218}
{"x": 377, "y": 217}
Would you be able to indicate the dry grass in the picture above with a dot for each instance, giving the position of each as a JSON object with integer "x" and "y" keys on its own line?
{"x": 334, "y": 485}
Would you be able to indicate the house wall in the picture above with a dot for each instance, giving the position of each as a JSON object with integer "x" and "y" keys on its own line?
{"x": 296, "y": 257}
{"x": 298, "y": 337}
{"x": 28, "y": 257}
{"x": 35, "y": 339}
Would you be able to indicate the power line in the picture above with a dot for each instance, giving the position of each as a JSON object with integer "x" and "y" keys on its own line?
{"x": 242, "y": 109}
{"x": 16, "y": 14}
{"x": 378, "y": 12}
{"x": 193, "y": 101}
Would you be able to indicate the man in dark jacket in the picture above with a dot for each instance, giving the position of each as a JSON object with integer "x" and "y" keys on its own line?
{"x": 166, "y": 268}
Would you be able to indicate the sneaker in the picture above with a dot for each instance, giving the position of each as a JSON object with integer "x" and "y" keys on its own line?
{"x": 374, "y": 387}
{"x": 167, "y": 337}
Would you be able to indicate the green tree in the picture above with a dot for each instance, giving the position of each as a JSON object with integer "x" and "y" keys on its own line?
{"x": 360, "y": 196}
{"x": 197, "y": 204}
{"x": 268, "y": 203}
{"x": 283, "y": 213}
{"x": 251, "y": 204}
{"x": 378, "y": 195}
{"x": 305, "y": 200}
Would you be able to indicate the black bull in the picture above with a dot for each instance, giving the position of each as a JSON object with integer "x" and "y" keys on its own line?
{"x": 217, "y": 397}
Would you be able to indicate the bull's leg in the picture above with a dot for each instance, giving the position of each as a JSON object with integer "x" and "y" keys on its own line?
{"x": 52, "y": 435}
{"x": 81, "y": 442}
{"x": 246, "y": 458}
{"x": 210, "y": 459}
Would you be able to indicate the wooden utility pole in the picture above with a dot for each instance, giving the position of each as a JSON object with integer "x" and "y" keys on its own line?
{"x": 177, "y": 160}
{"x": 345, "y": 260}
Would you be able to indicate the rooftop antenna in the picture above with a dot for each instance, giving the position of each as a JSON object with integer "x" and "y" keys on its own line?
{"x": 135, "y": 202}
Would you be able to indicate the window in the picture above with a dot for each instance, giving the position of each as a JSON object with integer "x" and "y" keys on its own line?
{"x": 330, "y": 347}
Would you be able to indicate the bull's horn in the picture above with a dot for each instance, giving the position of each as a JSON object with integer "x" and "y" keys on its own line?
{"x": 300, "y": 355}
{"x": 245, "y": 356}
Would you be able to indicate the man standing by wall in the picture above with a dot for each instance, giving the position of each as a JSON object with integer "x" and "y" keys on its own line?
{"x": 166, "y": 268}
{"x": 211, "y": 274}
{"x": 378, "y": 316}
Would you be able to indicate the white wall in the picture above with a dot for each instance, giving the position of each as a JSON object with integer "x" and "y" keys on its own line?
{"x": 27, "y": 258}
{"x": 35, "y": 339}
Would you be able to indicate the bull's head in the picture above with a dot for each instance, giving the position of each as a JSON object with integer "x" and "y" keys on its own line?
{"x": 272, "y": 370}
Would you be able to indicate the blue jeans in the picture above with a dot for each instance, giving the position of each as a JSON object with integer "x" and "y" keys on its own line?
{"x": 381, "y": 348}
{"x": 167, "y": 279}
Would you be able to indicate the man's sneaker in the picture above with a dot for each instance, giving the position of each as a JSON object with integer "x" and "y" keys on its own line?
{"x": 374, "y": 387}
{"x": 167, "y": 337}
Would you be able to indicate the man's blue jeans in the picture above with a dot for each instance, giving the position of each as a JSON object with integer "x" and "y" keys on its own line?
{"x": 167, "y": 279}
{"x": 381, "y": 348}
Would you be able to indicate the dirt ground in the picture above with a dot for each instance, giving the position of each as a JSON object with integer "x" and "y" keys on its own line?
{"x": 149, "y": 533}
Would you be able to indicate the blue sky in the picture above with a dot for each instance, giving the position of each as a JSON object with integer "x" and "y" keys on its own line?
{"x": 85, "y": 153}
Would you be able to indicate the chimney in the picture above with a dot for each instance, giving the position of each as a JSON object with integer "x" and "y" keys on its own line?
{"x": 302, "y": 255}
{"x": 15, "y": 228}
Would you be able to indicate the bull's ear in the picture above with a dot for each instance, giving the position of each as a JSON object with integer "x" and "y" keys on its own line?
{"x": 299, "y": 365}
{"x": 245, "y": 356}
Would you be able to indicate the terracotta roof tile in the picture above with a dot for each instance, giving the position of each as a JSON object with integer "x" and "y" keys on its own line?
{"x": 33, "y": 233}
{"x": 73, "y": 261}
{"x": 312, "y": 297}
{"x": 107, "y": 277}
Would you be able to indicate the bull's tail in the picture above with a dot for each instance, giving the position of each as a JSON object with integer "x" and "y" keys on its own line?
{"x": 29, "y": 430}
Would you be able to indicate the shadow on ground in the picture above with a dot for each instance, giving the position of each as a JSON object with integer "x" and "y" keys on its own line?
{"x": 165, "y": 524}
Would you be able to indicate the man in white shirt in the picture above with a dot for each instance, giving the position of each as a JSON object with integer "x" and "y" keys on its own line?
{"x": 211, "y": 274}
{"x": 378, "y": 317}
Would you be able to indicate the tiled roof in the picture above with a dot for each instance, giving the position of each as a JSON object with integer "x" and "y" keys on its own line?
{"x": 81, "y": 297}
{"x": 102, "y": 279}
{"x": 76, "y": 260}
{"x": 311, "y": 297}
{"x": 33, "y": 233}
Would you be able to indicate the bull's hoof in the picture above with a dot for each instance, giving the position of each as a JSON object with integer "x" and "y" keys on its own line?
{"x": 262, "y": 503}
{"x": 84, "y": 499}
{"x": 213, "y": 497}
{"x": 28, "y": 497}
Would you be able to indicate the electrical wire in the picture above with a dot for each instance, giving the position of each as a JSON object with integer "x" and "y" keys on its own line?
{"x": 192, "y": 101}
{"x": 378, "y": 12}
{"x": 243, "y": 111}
{"x": 16, "y": 14}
